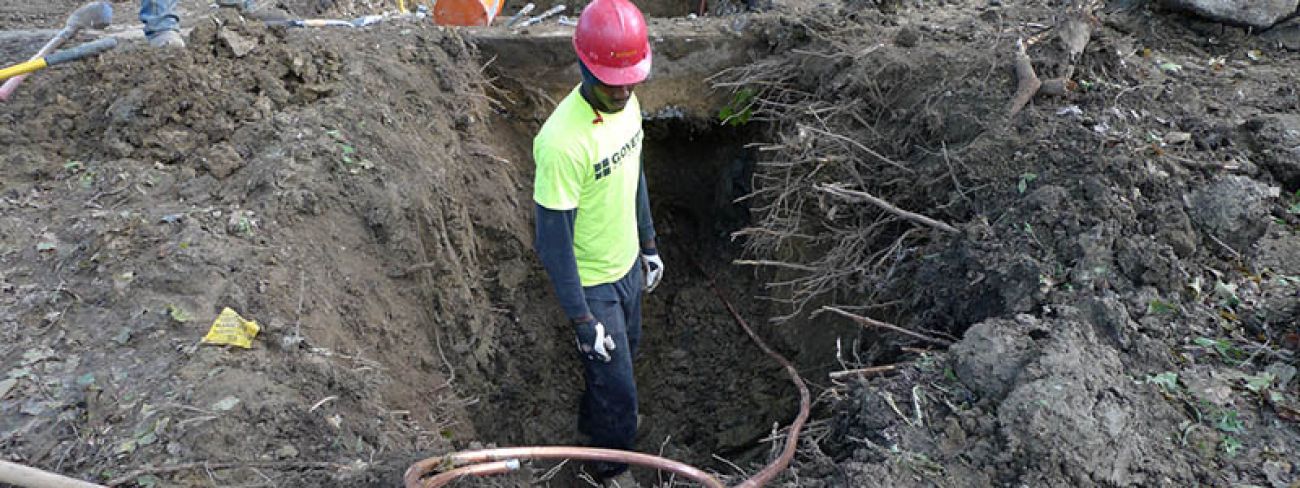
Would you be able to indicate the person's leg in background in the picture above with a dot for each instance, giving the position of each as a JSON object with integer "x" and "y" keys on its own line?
{"x": 161, "y": 23}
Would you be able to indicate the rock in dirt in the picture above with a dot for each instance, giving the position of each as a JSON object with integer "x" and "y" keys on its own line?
{"x": 908, "y": 37}
{"x": 1108, "y": 316}
{"x": 1233, "y": 209}
{"x": 1276, "y": 143}
{"x": 1286, "y": 35}
{"x": 1075, "y": 411}
{"x": 221, "y": 160}
{"x": 1277, "y": 252}
{"x": 239, "y": 45}
{"x": 1251, "y": 13}
{"x": 989, "y": 358}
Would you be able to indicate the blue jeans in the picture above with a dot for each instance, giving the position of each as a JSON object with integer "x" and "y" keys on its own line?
{"x": 607, "y": 413}
{"x": 158, "y": 16}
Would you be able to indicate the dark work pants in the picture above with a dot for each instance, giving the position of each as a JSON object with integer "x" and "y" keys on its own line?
{"x": 607, "y": 413}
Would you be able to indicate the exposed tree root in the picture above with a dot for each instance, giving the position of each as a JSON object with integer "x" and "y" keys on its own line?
{"x": 1074, "y": 33}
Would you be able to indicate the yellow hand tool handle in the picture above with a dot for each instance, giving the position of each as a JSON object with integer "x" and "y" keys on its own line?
{"x": 64, "y": 56}
{"x": 22, "y": 68}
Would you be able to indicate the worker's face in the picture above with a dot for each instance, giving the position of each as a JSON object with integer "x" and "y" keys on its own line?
{"x": 612, "y": 98}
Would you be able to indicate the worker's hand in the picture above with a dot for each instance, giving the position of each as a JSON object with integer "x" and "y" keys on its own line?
{"x": 654, "y": 268}
{"x": 593, "y": 342}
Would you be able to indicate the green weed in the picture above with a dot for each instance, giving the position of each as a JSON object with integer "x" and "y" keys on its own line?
{"x": 739, "y": 110}
{"x": 1167, "y": 380}
{"x": 1025, "y": 180}
{"x": 1226, "y": 350}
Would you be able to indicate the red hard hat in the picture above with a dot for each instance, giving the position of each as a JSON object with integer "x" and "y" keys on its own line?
{"x": 611, "y": 41}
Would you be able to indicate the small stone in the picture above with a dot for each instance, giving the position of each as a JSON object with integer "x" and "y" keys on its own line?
{"x": 1177, "y": 137}
{"x": 239, "y": 45}
{"x": 907, "y": 37}
{"x": 1282, "y": 371}
{"x": 286, "y": 452}
{"x": 225, "y": 404}
{"x": 1278, "y": 473}
{"x": 221, "y": 160}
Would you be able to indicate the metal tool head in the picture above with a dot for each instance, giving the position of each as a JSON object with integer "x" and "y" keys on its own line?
{"x": 93, "y": 15}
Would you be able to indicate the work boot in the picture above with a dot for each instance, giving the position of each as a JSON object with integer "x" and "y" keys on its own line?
{"x": 169, "y": 39}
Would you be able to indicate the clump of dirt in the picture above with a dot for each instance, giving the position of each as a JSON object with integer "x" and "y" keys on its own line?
{"x": 1111, "y": 274}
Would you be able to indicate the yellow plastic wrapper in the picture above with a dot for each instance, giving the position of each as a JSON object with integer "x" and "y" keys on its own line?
{"x": 231, "y": 329}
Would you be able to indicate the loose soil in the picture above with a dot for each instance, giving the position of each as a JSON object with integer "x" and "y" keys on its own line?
{"x": 1122, "y": 293}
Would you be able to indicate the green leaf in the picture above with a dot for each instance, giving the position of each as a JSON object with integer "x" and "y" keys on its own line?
{"x": 1231, "y": 446}
{"x": 1259, "y": 382}
{"x": 86, "y": 379}
{"x": 73, "y": 166}
{"x": 1170, "y": 67}
{"x": 1228, "y": 422}
{"x": 1167, "y": 380}
{"x": 349, "y": 149}
{"x": 178, "y": 314}
{"x": 1025, "y": 180}
{"x": 1160, "y": 307}
{"x": 148, "y": 481}
{"x": 738, "y": 111}
{"x": 1223, "y": 347}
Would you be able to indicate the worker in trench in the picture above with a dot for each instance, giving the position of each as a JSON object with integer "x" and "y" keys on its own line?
{"x": 595, "y": 235}
{"x": 162, "y": 22}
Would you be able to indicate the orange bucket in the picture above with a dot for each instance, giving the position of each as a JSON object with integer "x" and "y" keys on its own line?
{"x": 465, "y": 12}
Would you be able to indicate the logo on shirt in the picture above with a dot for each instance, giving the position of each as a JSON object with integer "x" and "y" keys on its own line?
{"x": 607, "y": 166}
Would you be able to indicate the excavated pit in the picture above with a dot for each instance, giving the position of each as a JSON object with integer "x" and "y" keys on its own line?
{"x": 705, "y": 389}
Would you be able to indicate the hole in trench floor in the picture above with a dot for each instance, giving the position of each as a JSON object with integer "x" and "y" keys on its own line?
{"x": 705, "y": 389}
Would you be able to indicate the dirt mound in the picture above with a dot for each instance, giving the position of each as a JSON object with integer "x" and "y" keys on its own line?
{"x": 145, "y": 191}
{"x": 1106, "y": 267}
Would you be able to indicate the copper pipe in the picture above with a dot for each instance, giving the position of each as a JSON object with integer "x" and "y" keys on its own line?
{"x": 484, "y": 459}
{"x": 497, "y": 461}
{"x": 805, "y": 399}
{"x": 481, "y": 469}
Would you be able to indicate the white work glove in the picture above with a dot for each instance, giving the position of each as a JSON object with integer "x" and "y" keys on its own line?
{"x": 593, "y": 342}
{"x": 654, "y": 270}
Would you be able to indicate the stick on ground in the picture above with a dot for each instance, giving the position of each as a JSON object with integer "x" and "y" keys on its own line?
{"x": 870, "y": 322}
{"x": 888, "y": 207}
